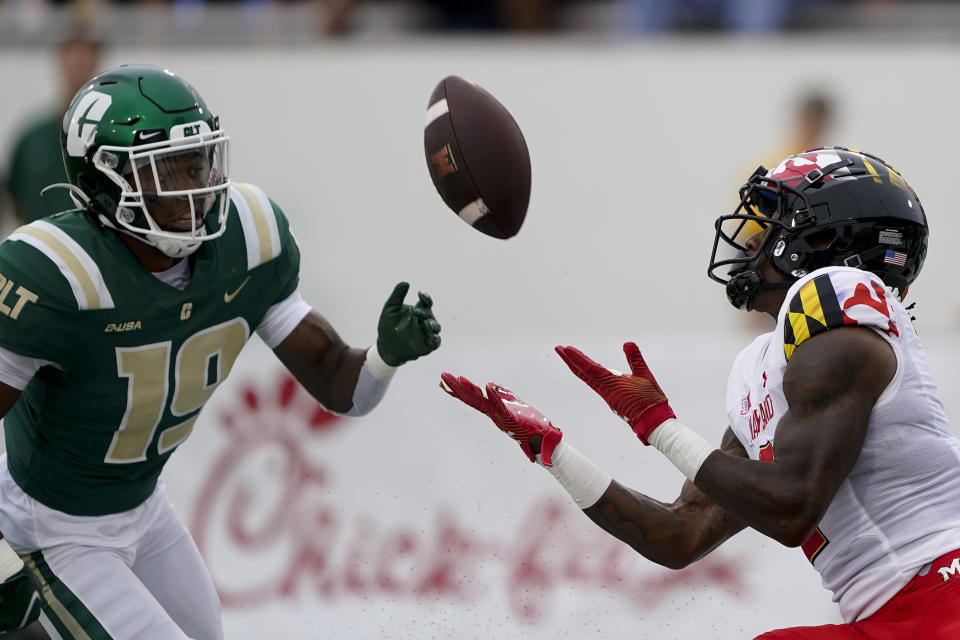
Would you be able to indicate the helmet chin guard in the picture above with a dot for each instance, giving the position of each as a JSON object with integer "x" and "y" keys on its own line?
{"x": 167, "y": 242}
{"x": 178, "y": 248}
{"x": 743, "y": 287}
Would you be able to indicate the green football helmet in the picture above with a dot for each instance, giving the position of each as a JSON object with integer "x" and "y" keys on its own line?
{"x": 144, "y": 153}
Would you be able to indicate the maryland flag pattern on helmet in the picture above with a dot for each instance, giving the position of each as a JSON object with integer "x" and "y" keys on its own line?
{"x": 836, "y": 297}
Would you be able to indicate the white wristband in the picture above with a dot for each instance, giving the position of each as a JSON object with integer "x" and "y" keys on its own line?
{"x": 372, "y": 383}
{"x": 378, "y": 368}
{"x": 682, "y": 446}
{"x": 582, "y": 479}
{"x": 10, "y": 562}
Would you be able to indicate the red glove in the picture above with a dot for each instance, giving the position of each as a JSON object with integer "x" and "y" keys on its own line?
{"x": 636, "y": 398}
{"x": 511, "y": 415}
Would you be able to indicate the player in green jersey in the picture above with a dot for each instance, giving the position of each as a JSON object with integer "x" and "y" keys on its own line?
{"x": 118, "y": 320}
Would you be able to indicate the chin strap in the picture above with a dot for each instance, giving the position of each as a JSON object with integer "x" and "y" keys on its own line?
{"x": 776, "y": 286}
{"x": 79, "y": 198}
{"x": 168, "y": 246}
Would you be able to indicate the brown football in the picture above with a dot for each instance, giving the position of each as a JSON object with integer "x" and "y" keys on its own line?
{"x": 477, "y": 157}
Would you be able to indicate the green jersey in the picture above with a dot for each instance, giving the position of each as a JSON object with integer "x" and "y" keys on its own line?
{"x": 133, "y": 359}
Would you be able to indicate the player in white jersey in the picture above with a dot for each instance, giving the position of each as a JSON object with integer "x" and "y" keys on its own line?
{"x": 838, "y": 442}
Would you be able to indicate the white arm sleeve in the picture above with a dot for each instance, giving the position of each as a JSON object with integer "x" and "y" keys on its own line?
{"x": 282, "y": 318}
{"x": 16, "y": 370}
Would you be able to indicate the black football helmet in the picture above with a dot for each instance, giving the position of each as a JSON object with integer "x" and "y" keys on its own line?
{"x": 830, "y": 206}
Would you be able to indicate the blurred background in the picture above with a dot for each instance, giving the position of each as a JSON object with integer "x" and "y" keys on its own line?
{"x": 643, "y": 117}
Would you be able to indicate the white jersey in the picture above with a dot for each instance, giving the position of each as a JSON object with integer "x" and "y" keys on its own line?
{"x": 899, "y": 507}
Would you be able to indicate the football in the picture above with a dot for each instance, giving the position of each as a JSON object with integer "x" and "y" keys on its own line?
{"x": 477, "y": 157}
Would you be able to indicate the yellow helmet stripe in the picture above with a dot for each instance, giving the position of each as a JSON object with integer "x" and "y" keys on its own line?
{"x": 873, "y": 172}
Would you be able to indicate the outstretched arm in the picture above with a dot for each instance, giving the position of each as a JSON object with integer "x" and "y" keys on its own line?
{"x": 673, "y": 535}
{"x": 322, "y": 362}
{"x": 350, "y": 380}
{"x": 831, "y": 385}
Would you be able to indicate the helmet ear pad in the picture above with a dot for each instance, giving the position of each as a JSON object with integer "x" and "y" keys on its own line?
{"x": 797, "y": 252}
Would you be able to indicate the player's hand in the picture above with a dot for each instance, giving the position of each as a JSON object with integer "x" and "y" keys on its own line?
{"x": 406, "y": 332}
{"x": 515, "y": 418}
{"x": 19, "y": 601}
{"x": 636, "y": 398}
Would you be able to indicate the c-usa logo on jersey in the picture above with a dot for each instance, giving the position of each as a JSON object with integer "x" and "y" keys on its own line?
{"x": 84, "y": 119}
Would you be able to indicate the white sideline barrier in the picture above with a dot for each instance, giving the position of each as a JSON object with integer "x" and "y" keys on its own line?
{"x": 636, "y": 148}
{"x": 413, "y": 522}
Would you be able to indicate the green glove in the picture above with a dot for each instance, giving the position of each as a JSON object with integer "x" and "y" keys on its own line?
{"x": 406, "y": 332}
{"x": 19, "y": 601}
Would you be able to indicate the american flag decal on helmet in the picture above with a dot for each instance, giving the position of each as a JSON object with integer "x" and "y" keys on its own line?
{"x": 897, "y": 258}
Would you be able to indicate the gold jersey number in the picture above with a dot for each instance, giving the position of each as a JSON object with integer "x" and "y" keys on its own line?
{"x": 201, "y": 364}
